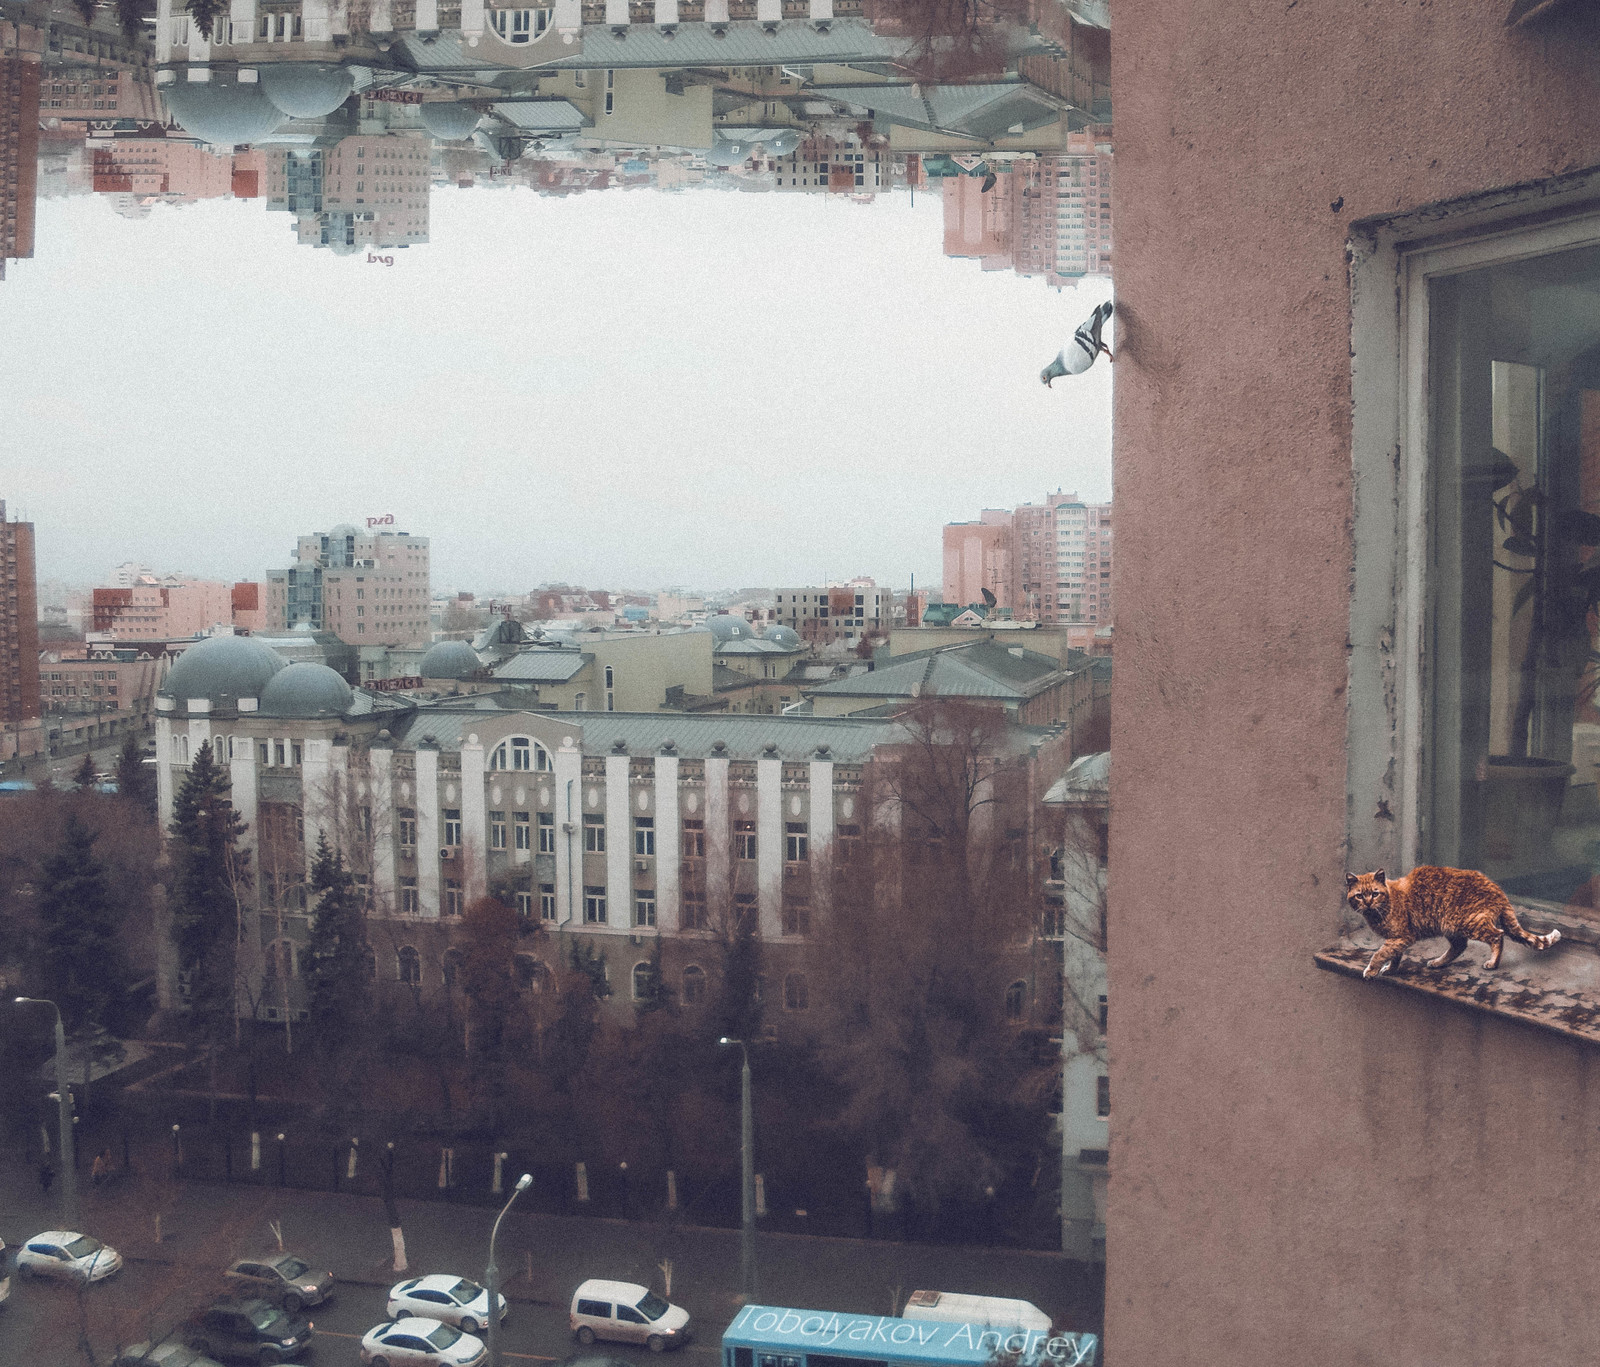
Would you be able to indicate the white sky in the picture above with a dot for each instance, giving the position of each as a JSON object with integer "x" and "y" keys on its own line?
{"x": 622, "y": 388}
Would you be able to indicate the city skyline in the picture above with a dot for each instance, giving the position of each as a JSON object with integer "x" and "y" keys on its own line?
{"x": 874, "y": 381}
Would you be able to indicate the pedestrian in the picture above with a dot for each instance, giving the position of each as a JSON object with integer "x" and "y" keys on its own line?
{"x": 47, "y": 1175}
{"x": 97, "y": 1173}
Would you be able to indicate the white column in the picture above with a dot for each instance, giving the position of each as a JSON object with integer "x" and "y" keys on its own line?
{"x": 428, "y": 832}
{"x": 820, "y": 832}
{"x": 385, "y": 828}
{"x": 164, "y": 775}
{"x": 314, "y": 16}
{"x": 666, "y": 12}
{"x": 719, "y": 836}
{"x": 716, "y": 11}
{"x": 769, "y": 11}
{"x": 619, "y": 845}
{"x": 317, "y": 799}
{"x": 769, "y": 846}
{"x": 163, "y": 31}
{"x": 472, "y": 21}
{"x": 242, "y": 21}
{"x": 474, "y": 823}
{"x": 567, "y": 804}
{"x": 617, "y": 13}
{"x": 669, "y": 845}
{"x": 383, "y": 16}
{"x": 199, "y": 51}
{"x": 427, "y": 16}
{"x": 821, "y": 9}
{"x": 246, "y": 794}
{"x": 568, "y": 19}
{"x": 339, "y": 16}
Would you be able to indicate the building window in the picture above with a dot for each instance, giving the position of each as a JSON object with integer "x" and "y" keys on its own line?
{"x": 408, "y": 897}
{"x": 547, "y": 833}
{"x": 519, "y": 824}
{"x": 796, "y": 994}
{"x": 1102, "y": 1096}
{"x": 594, "y": 906}
{"x": 452, "y": 897}
{"x": 744, "y": 839}
{"x": 796, "y": 917}
{"x": 644, "y": 907}
{"x": 694, "y": 909}
{"x": 644, "y": 981}
{"x": 694, "y": 984}
{"x": 547, "y": 901}
{"x": 450, "y": 967}
{"x": 1102, "y": 1015}
{"x": 408, "y": 827}
{"x": 744, "y": 911}
{"x": 849, "y": 844}
{"x": 408, "y": 964}
{"x": 795, "y": 843}
{"x": 497, "y": 830}
{"x": 579, "y": 701}
{"x": 644, "y": 835}
{"x": 594, "y": 834}
{"x": 694, "y": 840}
{"x": 525, "y": 905}
{"x": 1016, "y": 1001}
{"x": 611, "y": 677}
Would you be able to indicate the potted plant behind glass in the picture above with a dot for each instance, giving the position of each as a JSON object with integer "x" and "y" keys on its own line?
{"x": 1554, "y": 608}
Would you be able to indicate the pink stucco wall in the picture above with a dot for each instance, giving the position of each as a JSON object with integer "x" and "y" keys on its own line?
{"x": 1303, "y": 1171}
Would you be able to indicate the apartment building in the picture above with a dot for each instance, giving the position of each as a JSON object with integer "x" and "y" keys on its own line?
{"x": 21, "y": 731}
{"x": 847, "y": 611}
{"x": 19, "y": 155}
{"x": 1047, "y": 562}
{"x": 367, "y": 587}
{"x": 620, "y": 828}
{"x": 157, "y": 607}
{"x": 100, "y": 679}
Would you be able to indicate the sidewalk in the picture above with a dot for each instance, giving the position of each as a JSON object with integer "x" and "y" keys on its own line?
{"x": 207, "y": 1224}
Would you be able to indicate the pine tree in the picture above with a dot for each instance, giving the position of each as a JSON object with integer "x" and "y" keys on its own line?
{"x": 737, "y": 1012}
{"x": 336, "y": 951}
{"x": 205, "y": 13}
{"x": 130, "y": 14}
{"x": 135, "y": 779}
{"x": 82, "y": 960}
{"x": 208, "y": 869}
{"x": 83, "y": 780}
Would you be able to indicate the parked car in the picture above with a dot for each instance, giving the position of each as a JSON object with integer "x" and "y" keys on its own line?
{"x": 284, "y": 1279}
{"x": 452, "y": 1300}
{"x": 418, "y": 1342}
{"x": 628, "y": 1313}
{"x": 5, "y": 1274}
{"x": 68, "y": 1255}
{"x": 254, "y": 1330}
{"x": 162, "y": 1355}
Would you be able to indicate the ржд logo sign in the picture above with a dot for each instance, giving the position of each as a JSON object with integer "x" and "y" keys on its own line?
{"x": 387, "y": 520}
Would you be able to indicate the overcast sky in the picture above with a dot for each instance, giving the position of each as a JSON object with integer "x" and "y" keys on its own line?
{"x": 618, "y": 389}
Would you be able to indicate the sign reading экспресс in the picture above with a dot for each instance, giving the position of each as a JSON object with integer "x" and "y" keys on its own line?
{"x": 919, "y": 1340}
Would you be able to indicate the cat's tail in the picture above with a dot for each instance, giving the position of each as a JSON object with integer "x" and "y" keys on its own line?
{"x": 1515, "y": 930}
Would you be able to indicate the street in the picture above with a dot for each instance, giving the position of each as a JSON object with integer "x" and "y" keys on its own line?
{"x": 203, "y": 1227}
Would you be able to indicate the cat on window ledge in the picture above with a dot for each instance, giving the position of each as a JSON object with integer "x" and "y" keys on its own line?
{"x": 1460, "y": 904}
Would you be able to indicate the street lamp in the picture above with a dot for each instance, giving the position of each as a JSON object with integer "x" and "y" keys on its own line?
{"x": 492, "y": 1276}
{"x": 747, "y": 1160}
{"x": 69, "y": 1174}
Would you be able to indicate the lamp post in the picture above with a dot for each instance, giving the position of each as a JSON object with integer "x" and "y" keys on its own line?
{"x": 69, "y": 1174}
{"x": 747, "y": 1162}
{"x": 492, "y": 1276}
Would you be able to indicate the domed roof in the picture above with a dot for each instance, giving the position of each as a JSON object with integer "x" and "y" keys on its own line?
{"x": 222, "y": 111}
{"x": 725, "y": 153}
{"x": 223, "y": 669}
{"x": 780, "y": 635}
{"x": 344, "y": 529}
{"x": 307, "y": 90}
{"x": 449, "y": 660}
{"x": 306, "y": 690}
{"x": 449, "y": 122}
{"x": 728, "y": 628}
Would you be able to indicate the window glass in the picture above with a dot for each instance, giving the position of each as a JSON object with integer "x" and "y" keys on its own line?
{"x": 1514, "y": 399}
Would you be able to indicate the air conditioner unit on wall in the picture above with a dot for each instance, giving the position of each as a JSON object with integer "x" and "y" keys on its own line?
{"x": 447, "y": 853}
{"x": 641, "y": 865}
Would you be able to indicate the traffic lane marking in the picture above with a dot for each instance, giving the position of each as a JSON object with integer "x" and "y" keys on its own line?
{"x": 504, "y": 1352}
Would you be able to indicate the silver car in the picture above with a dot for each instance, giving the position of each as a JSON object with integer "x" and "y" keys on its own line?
{"x": 453, "y": 1300}
{"x": 68, "y": 1255}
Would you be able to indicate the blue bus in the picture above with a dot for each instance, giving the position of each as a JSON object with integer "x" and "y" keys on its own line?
{"x": 773, "y": 1336}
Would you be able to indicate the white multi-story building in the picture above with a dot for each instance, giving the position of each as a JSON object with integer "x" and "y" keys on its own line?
{"x": 366, "y": 587}
{"x": 846, "y": 611}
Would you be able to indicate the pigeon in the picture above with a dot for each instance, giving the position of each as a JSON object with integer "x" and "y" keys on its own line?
{"x": 989, "y": 182}
{"x": 1080, "y": 353}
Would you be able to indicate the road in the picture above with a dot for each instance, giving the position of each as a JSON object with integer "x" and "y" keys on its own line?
{"x": 203, "y": 1227}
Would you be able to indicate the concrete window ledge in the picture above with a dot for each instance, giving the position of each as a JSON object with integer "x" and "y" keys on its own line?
{"x": 1557, "y": 990}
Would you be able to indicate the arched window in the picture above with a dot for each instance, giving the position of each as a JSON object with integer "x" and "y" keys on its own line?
{"x": 694, "y": 983}
{"x": 611, "y": 677}
{"x": 1016, "y": 999}
{"x": 796, "y": 994}
{"x": 450, "y": 965}
{"x": 644, "y": 981}
{"x": 520, "y": 753}
{"x": 530, "y": 973}
{"x": 519, "y": 26}
{"x": 281, "y": 959}
{"x": 409, "y": 965}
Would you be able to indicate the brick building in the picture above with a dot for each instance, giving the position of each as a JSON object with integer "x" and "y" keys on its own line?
{"x": 21, "y": 731}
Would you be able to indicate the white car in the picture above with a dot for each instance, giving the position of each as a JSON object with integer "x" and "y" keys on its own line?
{"x": 418, "y": 1342}
{"x": 454, "y": 1300}
{"x": 627, "y": 1312}
{"x": 73, "y": 1257}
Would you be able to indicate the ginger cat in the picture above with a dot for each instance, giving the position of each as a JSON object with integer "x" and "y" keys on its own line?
{"x": 1460, "y": 904}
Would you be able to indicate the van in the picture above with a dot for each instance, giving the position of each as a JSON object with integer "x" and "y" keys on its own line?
{"x": 627, "y": 1313}
{"x": 993, "y": 1312}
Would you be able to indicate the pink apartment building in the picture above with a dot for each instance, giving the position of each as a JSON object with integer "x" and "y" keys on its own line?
{"x": 160, "y": 166}
{"x": 366, "y": 587}
{"x": 978, "y": 556}
{"x": 1047, "y": 562}
{"x": 164, "y": 608}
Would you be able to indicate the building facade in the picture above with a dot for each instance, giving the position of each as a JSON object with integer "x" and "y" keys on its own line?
{"x": 19, "y": 155}
{"x": 1051, "y": 561}
{"x": 367, "y": 587}
{"x": 161, "y": 606}
{"x": 21, "y": 730}
{"x": 846, "y": 612}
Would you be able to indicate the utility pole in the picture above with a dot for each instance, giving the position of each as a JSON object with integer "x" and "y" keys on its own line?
{"x": 69, "y": 1172}
{"x": 747, "y": 1163}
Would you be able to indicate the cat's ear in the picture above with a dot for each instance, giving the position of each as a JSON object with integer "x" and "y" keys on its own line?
{"x": 1350, "y": 880}
{"x": 1381, "y": 876}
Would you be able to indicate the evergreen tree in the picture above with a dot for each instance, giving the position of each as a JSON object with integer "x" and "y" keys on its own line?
{"x": 208, "y": 869}
{"x": 336, "y": 951}
{"x": 737, "y": 1012}
{"x": 130, "y": 14}
{"x": 84, "y": 778}
{"x": 655, "y": 995}
{"x": 82, "y": 960}
{"x": 136, "y": 781}
{"x": 205, "y": 14}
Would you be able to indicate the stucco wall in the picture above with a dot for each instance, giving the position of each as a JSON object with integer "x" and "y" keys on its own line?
{"x": 1303, "y": 1170}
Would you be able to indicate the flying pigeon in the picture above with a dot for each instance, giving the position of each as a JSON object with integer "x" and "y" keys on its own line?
{"x": 989, "y": 182}
{"x": 1079, "y": 354}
